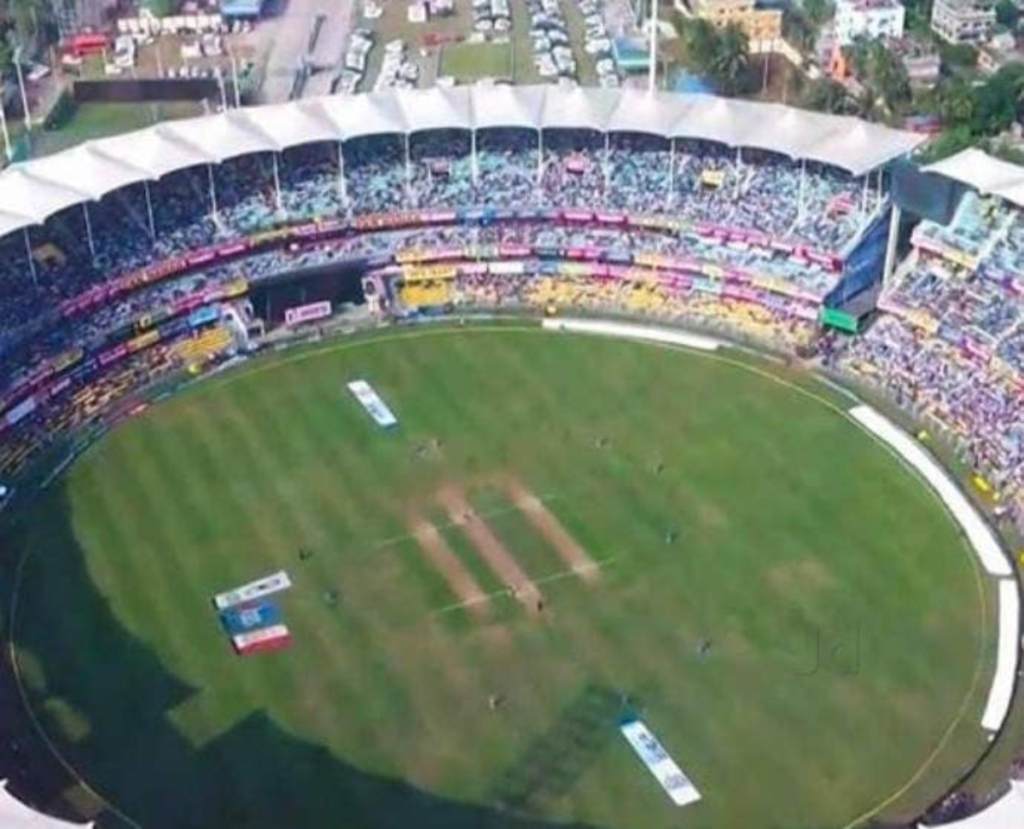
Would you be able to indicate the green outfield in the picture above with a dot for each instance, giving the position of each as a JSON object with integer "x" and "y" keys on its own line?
{"x": 687, "y": 537}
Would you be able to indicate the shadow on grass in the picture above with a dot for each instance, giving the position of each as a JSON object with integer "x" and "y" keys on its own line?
{"x": 253, "y": 776}
{"x": 553, "y": 762}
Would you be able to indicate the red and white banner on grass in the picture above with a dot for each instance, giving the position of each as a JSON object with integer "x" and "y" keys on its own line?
{"x": 272, "y": 638}
{"x": 307, "y": 313}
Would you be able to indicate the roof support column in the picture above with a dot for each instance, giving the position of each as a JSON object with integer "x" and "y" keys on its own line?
{"x": 540, "y": 157}
{"x": 149, "y": 209}
{"x": 277, "y": 183}
{"x": 342, "y": 184}
{"x": 878, "y": 202}
{"x": 213, "y": 192}
{"x": 890, "y": 245}
{"x": 670, "y": 192}
{"x": 801, "y": 209}
{"x": 408, "y": 169}
{"x": 607, "y": 164}
{"x": 31, "y": 259}
{"x": 739, "y": 173}
{"x": 88, "y": 230}
{"x": 473, "y": 157}
{"x": 864, "y": 194}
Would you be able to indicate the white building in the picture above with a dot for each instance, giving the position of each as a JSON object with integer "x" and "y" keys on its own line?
{"x": 964, "y": 21}
{"x": 868, "y": 19}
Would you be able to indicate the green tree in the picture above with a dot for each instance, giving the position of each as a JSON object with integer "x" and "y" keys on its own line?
{"x": 889, "y": 76}
{"x": 918, "y": 17}
{"x": 818, "y": 12}
{"x": 882, "y": 72}
{"x": 6, "y": 56}
{"x": 700, "y": 40}
{"x": 826, "y": 95}
{"x": 995, "y": 102}
{"x": 1007, "y": 13}
{"x": 798, "y": 29}
{"x": 954, "y": 101}
{"x": 951, "y": 141}
{"x": 958, "y": 57}
{"x": 25, "y": 17}
{"x": 731, "y": 63}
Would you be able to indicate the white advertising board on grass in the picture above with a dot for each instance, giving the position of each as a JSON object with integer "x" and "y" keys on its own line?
{"x": 653, "y": 755}
{"x": 375, "y": 407}
{"x": 273, "y": 583}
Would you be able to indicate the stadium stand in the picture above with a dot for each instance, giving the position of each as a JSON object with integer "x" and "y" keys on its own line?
{"x": 733, "y": 216}
{"x": 721, "y": 214}
{"x": 948, "y": 346}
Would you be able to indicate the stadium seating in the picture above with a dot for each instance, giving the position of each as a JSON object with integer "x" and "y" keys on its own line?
{"x": 685, "y": 229}
{"x": 950, "y": 347}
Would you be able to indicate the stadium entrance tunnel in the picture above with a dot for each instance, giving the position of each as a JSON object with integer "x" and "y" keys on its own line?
{"x": 339, "y": 284}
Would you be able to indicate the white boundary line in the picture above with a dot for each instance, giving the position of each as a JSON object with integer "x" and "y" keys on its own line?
{"x": 632, "y": 331}
{"x": 981, "y": 538}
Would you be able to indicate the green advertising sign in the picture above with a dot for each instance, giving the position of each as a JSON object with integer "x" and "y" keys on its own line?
{"x": 839, "y": 319}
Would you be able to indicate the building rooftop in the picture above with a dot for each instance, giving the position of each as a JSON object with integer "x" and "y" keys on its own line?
{"x": 869, "y": 5}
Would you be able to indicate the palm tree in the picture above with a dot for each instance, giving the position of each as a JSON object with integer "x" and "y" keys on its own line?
{"x": 700, "y": 40}
{"x": 826, "y": 95}
{"x": 731, "y": 62}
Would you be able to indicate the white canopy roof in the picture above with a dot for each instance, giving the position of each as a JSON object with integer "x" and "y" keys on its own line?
{"x": 436, "y": 108}
{"x": 16, "y": 815}
{"x": 152, "y": 151}
{"x": 1006, "y": 813}
{"x": 9, "y": 223}
{"x": 294, "y": 124}
{"x": 89, "y": 171}
{"x": 222, "y": 136}
{"x": 652, "y": 114}
{"x": 502, "y": 105}
{"x": 984, "y": 173}
{"x": 578, "y": 108}
{"x": 31, "y": 192}
{"x": 359, "y": 115}
{"x": 25, "y": 195}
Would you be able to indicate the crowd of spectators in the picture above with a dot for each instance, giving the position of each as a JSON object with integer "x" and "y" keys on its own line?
{"x": 950, "y": 346}
{"x": 733, "y": 216}
{"x": 189, "y": 209}
{"x": 553, "y": 288}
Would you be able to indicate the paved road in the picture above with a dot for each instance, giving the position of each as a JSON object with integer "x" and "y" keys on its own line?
{"x": 285, "y": 39}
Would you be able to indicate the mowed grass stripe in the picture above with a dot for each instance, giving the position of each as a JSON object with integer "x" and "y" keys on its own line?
{"x": 212, "y": 710}
{"x": 311, "y": 651}
{"x": 147, "y": 700}
{"x": 335, "y": 684}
